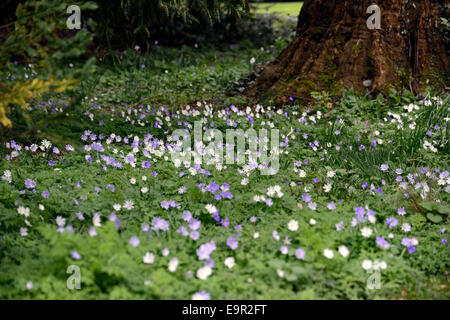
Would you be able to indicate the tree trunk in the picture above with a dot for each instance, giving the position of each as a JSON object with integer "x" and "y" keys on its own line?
{"x": 334, "y": 49}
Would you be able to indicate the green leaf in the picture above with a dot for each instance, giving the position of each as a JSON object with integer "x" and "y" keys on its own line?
{"x": 276, "y": 263}
{"x": 298, "y": 270}
{"x": 443, "y": 209}
{"x": 434, "y": 218}
{"x": 290, "y": 277}
{"x": 429, "y": 205}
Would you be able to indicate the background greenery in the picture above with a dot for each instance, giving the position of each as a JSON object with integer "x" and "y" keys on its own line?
{"x": 287, "y": 8}
{"x": 207, "y": 64}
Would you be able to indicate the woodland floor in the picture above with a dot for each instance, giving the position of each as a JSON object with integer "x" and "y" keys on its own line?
{"x": 361, "y": 193}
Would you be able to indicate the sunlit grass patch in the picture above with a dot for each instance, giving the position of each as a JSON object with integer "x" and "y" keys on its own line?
{"x": 286, "y": 8}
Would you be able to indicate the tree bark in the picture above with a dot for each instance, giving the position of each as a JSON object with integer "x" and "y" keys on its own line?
{"x": 335, "y": 50}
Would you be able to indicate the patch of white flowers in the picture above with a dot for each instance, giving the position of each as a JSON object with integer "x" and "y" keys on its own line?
{"x": 23, "y": 211}
{"x": 293, "y": 225}
{"x": 211, "y": 208}
{"x": 373, "y": 265}
{"x": 204, "y": 272}
{"x": 7, "y": 176}
{"x": 274, "y": 191}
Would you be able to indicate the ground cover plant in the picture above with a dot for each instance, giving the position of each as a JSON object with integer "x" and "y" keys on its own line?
{"x": 90, "y": 191}
{"x": 287, "y": 8}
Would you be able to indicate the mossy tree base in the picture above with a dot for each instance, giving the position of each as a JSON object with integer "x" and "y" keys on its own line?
{"x": 334, "y": 49}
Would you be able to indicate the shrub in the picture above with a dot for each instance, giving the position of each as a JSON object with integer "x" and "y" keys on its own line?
{"x": 40, "y": 40}
{"x": 124, "y": 24}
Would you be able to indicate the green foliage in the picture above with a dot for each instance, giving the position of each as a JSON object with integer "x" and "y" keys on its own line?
{"x": 125, "y": 24}
{"x": 112, "y": 269}
{"x": 446, "y": 28}
{"x": 128, "y": 99}
{"x": 40, "y": 40}
{"x": 435, "y": 210}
